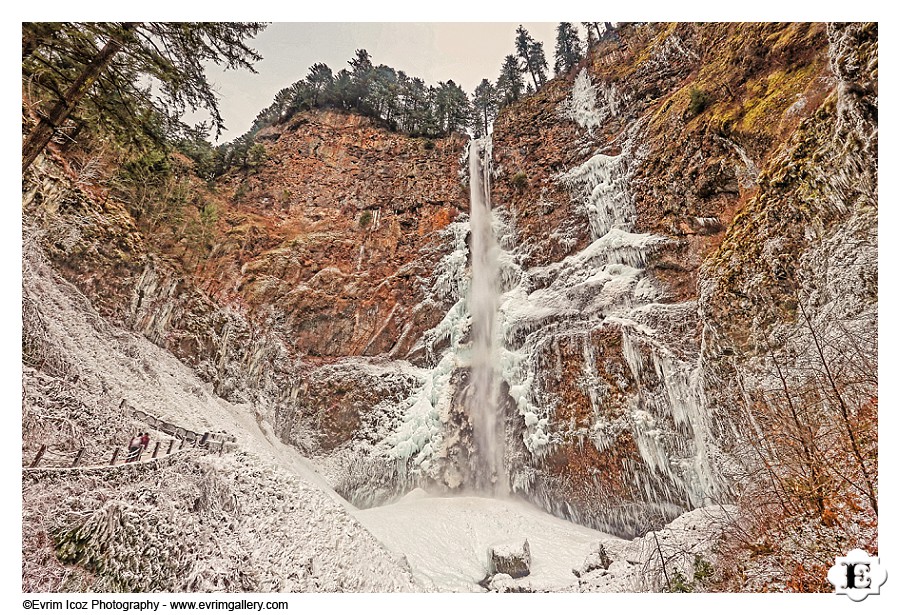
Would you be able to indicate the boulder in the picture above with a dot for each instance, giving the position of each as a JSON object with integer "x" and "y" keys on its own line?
{"x": 512, "y": 558}
{"x": 596, "y": 560}
{"x": 499, "y": 582}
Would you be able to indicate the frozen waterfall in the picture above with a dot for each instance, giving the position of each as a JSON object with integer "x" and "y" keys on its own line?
{"x": 484, "y": 294}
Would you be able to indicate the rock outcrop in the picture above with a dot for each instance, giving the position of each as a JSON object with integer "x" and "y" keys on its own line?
{"x": 512, "y": 558}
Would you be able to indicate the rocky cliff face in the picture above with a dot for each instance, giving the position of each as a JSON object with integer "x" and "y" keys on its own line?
{"x": 623, "y": 195}
{"x": 660, "y": 211}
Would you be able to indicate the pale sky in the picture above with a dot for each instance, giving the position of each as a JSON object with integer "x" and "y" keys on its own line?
{"x": 463, "y": 52}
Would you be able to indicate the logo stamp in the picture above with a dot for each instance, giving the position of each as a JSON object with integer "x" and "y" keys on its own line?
{"x": 858, "y": 575}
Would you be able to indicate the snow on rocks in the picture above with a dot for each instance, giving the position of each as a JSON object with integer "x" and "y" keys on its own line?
{"x": 581, "y": 106}
{"x": 511, "y": 558}
{"x": 499, "y": 582}
{"x": 598, "y": 559}
{"x": 647, "y": 563}
{"x": 446, "y": 539}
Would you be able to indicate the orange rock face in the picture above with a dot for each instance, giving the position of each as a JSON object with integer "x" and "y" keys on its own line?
{"x": 350, "y": 215}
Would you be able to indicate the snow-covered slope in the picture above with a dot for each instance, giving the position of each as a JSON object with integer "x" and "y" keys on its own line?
{"x": 446, "y": 539}
{"x": 270, "y": 511}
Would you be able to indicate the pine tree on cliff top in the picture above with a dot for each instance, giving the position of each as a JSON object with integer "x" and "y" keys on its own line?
{"x": 319, "y": 77}
{"x": 531, "y": 52}
{"x": 486, "y": 101}
{"x": 568, "y": 48}
{"x": 510, "y": 84}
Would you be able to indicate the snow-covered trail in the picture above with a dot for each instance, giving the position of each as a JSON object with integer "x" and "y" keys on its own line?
{"x": 446, "y": 539}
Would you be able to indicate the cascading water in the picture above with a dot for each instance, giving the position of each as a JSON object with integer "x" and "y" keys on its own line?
{"x": 483, "y": 299}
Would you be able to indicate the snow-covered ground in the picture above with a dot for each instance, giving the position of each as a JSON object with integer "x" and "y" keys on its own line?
{"x": 446, "y": 539}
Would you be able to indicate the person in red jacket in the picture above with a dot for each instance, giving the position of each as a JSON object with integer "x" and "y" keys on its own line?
{"x": 145, "y": 440}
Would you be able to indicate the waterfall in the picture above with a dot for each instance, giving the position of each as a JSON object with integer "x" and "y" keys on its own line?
{"x": 484, "y": 293}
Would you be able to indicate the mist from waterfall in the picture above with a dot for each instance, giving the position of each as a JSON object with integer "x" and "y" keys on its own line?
{"x": 484, "y": 294}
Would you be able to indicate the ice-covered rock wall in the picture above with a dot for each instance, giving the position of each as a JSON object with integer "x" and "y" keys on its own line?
{"x": 635, "y": 373}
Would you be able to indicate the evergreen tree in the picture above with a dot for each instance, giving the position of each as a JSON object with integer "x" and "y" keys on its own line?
{"x": 383, "y": 92}
{"x": 568, "y": 48}
{"x": 402, "y": 115}
{"x": 531, "y": 52}
{"x": 415, "y": 106}
{"x": 429, "y": 124}
{"x": 136, "y": 78}
{"x": 592, "y": 37}
{"x": 341, "y": 93}
{"x": 510, "y": 84}
{"x": 593, "y": 31}
{"x": 319, "y": 78}
{"x": 523, "y": 50}
{"x": 454, "y": 108}
{"x": 539, "y": 62}
{"x": 486, "y": 103}
{"x": 361, "y": 76}
{"x": 403, "y": 103}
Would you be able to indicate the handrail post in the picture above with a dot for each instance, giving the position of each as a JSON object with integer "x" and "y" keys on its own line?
{"x": 78, "y": 458}
{"x": 156, "y": 450}
{"x": 112, "y": 461}
{"x": 37, "y": 458}
{"x": 171, "y": 446}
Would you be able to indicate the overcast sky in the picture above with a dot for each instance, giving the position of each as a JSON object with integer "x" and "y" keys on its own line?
{"x": 464, "y": 52}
